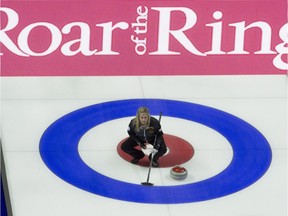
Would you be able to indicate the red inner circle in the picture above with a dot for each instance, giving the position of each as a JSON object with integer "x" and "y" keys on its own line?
{"x": 179, "y": 152}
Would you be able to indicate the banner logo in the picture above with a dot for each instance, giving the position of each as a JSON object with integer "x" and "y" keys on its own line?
{"x": 146, "y": 33}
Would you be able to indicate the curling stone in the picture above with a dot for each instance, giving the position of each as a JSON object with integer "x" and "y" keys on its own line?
{"x": 178, "y": 172}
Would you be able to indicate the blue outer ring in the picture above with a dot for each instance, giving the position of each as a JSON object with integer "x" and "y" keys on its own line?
{"x": 251, "y": 152}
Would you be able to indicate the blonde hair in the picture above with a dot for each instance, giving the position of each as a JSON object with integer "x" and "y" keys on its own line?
{"x": 137, "y": 118}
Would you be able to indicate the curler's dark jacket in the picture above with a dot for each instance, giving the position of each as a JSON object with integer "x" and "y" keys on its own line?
{"x": 147, "y": 135}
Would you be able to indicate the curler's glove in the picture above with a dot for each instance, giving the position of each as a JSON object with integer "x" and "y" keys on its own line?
{"x": 154, "y": 151}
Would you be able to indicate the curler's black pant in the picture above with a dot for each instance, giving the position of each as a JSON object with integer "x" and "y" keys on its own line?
{"x": 129, "y": 146}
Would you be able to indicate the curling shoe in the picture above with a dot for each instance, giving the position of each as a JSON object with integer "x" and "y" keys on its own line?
{"x": 155, "y": 164}
{"x": 136, "y": 160}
